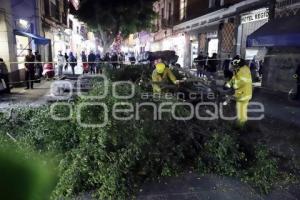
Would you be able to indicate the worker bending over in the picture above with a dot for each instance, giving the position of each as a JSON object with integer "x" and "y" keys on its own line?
{"x": 162, "y": 75}
{"x": 241, "y": 82}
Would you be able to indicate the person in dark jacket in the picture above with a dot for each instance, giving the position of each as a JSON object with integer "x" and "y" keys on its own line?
{"x": 85, "y": 65}
{"x": 4, "y": 75}
{"x": 67, "y": 61}
{"x": 29, "y": 69}
{"x": 132, "y": 59}
{"x": 114, "y": 60}
{"x": 297, "y": 77}
{"x": 98, "y": 63}
{"x": 212, "y": 66}
{"x": 254, "y": 69}
{"x": 38, "y": 65}
{"x": 73, "y": 62}
{"x": 91, "y": 61}
{"x": 200, "y": 62}
{"x": 106, "y": 57}
{"x": 226, "y": 68}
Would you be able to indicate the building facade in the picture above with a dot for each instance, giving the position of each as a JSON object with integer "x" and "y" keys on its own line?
{"x": 54, "y": 16}
{"x": 21, "y": 30}
{"x": 163, "y": 36}
{"x": 42, "y": 25}
{"x": 7, "y": 49}
{"x": 219, "y": 26}
{"x": 282, "y": 60}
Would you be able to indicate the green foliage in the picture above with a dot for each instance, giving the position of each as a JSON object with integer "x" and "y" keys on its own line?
{"x": 263, "y": 173}
{"x": 23, "y": 174}
{"x": 221, "y": 155}
{"x": 113, "y": 161}
{"x": 129, "y": 72}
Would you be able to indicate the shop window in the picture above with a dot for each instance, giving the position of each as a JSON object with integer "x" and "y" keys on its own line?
{"x": 22, "y": 43}
{"x": 183, "y": 6}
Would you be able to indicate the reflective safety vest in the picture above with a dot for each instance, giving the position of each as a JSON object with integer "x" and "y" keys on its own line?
{"x": 242, "y": 83}
{"x": 165, "y": 77}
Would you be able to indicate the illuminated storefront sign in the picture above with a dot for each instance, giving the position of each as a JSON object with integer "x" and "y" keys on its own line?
{"x": 255, "y": 16}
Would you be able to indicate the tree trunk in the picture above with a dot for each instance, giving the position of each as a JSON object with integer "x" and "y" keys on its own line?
{"x": 106, "y": 38}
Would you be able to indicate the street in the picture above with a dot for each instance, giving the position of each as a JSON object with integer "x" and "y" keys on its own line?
{"x": 39, "y": 96}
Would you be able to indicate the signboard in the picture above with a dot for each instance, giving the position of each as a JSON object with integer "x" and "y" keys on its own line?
{"x": 255, "y": 16}
{"x": 250, "y": 53}
{"x": 213, "y": 34}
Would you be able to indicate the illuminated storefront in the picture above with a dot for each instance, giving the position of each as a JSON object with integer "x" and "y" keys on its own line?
{"x": 174, "y": 43}
{"x": 61, "y": 42}
{"x": 22, "y": 44}
{"x": 213, "y": 43}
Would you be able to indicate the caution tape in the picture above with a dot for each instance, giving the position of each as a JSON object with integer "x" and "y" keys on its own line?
{"x": 19, "y": 82}
{"x": 56, "y": 62}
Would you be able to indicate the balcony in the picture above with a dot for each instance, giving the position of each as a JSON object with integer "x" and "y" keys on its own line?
{"x": 283, "y": 4}
{"x": 285, "y": 8}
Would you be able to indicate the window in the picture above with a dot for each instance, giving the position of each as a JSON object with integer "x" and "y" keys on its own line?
{"x": 162, "y": 17}
{"x": 71, "y": 24}
{"x": 46, "y": 7}
{"x": 215, "y": 3}
{"x": 54, "y": 8}
{"x": 183, "y": 5}
{"x": 170, "y": 12}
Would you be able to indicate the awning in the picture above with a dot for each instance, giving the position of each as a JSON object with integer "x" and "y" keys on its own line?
{"x": 283, "y": 32}
{"x": 37, "y": 39}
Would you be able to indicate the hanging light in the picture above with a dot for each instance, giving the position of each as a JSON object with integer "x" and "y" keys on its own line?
{"x": 23, "y": 23}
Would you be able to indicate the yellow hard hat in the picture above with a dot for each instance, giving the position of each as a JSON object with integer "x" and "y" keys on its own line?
{"x": 160, "y": 68}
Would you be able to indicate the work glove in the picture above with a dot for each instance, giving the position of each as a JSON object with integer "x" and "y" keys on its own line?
{"x": 226, "y": 86}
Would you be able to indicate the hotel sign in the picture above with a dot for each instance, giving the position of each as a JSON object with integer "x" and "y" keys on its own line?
{"x": 255, "y": 16}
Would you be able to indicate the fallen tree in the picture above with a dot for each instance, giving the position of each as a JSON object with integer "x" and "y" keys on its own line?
{"x": 113, "y": 161}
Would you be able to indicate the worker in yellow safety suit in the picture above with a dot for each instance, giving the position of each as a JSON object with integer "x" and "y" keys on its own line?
{"x": 162, "y": 74}
{"x": 241, "y": 82}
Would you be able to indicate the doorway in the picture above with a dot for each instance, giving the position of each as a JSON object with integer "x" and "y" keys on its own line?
{"x": 213, "y": 46}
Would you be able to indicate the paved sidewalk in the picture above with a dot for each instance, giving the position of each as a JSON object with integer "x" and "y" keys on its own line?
{"x": 39, "y": 96}
{"x": 209, "y": 187}
{"x": 20, "y": 97}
